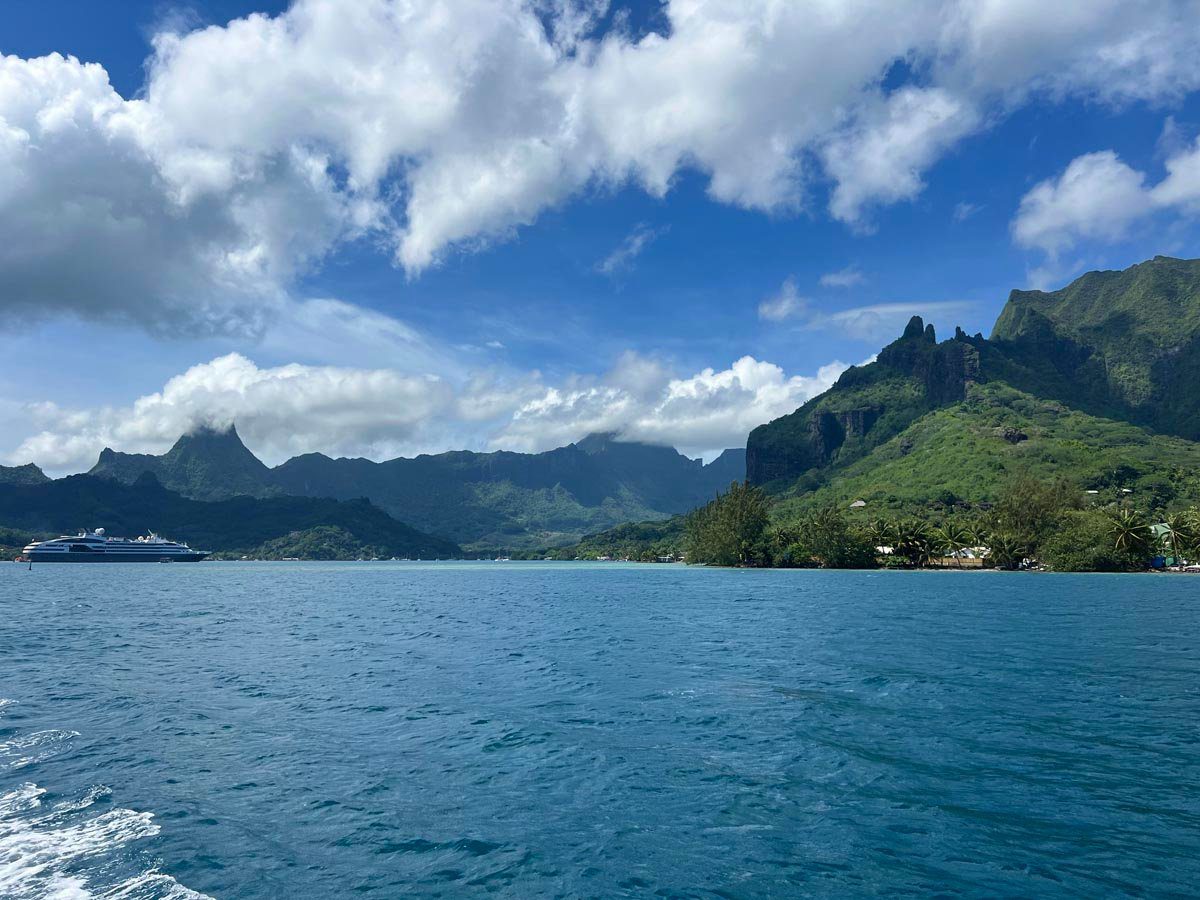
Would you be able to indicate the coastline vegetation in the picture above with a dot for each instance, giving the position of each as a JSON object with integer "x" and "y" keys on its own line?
{"x": 1034, "y": 524}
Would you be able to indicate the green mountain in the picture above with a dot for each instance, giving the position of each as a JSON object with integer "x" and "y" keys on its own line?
{"x": 1125, "y": 345}
{"x": 1096, "y": 383}
{"x": 867, "y": 406}
{"x": 482, "y": 500}
{"x": 964, "y": 452}
{"x": 205, "y": 464}
{"x": 237, "y": 525}
{"x": 26, "y": 474}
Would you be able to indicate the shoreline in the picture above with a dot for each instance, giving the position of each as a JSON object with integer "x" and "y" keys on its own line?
{"x": 633, "y": 562}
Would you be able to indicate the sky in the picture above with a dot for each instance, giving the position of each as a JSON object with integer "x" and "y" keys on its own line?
{"x": 392, "y": 227}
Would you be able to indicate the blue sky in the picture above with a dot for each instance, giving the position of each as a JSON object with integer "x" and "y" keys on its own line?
{"x": 601, "y": 292}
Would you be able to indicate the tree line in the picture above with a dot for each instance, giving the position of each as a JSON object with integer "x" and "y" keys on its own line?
{"x": 1032, "y": 522}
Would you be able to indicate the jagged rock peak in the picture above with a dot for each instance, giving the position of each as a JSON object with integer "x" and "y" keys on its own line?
{"x": 915, "y": 327}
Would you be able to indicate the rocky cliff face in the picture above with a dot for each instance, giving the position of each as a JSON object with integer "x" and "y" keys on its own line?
{"x": 944, "y": 370}
{"x": 1124, "y": 345}
{"x": 869, "y": 404}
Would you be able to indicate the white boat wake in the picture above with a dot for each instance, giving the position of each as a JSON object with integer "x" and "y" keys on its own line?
{"x": 68, "y": 850}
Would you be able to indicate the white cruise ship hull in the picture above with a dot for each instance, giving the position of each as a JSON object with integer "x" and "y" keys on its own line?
{"x": 110, "y": 556}
{"x": 96, "y": 547}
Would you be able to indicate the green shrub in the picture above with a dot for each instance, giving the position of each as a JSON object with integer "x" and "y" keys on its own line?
{"x": 730, "y": 530}
{"x": 826, "y": 539}
{"x": 1084, "y": 542}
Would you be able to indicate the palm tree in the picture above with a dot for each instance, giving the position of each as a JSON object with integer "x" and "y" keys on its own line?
{"x": 952, "y": 539}
{"x": 1005, "y": 551}
{"x": 978, "y": 534}
{"x": 1130, "y": 532}
{"x": 913, "y": 541}
{"x": 1184, "y": 529}
{"x": 1177, "y": 536}
{"x": 1190, "y": 536}
{"x": 879, "y": 531}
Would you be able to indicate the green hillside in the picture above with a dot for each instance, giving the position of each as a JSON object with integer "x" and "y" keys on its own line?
{"x": 642, "y": 541}
{"x": 1123, "y": 344}
{"x": 1098, "y": 383}
{"x": 515, "y": 501}
{"x": 964, "y": 453}
{"x": 868, "y": 405}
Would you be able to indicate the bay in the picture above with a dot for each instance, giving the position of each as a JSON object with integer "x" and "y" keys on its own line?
{"x": 541, "y": 729}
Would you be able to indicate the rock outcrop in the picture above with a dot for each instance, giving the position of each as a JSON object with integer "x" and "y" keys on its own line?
{"x": 869, "y": 404}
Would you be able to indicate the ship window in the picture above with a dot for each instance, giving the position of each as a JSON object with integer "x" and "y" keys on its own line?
{"x": 84, "y": 548}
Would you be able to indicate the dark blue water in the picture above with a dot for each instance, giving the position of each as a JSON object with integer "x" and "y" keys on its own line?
{"x": 529, "y": 730}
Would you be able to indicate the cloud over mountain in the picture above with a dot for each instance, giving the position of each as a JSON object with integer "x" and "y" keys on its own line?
{"x": 641, "y": 400}
{"x": 287, "y": 410}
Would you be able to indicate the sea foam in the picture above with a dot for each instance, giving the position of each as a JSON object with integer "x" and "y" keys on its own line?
{"x": 70, "y": 850}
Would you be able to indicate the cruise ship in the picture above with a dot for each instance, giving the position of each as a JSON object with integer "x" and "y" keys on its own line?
{"x": 95, "y": 546}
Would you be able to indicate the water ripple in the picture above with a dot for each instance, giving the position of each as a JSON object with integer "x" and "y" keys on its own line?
{"x": 545, "y": 730}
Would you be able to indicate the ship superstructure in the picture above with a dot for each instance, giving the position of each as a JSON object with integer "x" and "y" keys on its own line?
{"x": 96, "y": 546}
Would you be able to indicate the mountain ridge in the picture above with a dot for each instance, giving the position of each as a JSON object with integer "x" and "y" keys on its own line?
{"x": 1096, "y": 378}
{"x": 500, "y": 499}
{"x": 1113, "y": 358}
{"x": 26, "y": 474}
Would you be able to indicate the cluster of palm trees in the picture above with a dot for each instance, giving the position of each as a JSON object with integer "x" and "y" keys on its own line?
{"x": 918, "y": 542}
{"x": 1030, "y": 520}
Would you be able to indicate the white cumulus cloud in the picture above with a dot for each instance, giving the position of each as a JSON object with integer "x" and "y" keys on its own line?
{"x": 700, "y": 414}
{"x": 1100, "y": 197}
{"x": 380, "y": 413}
{"x": 882, "y": 157}
{"x": 1097, "y": 196}
{"x": 256, "y": 149}
{"x": 279, "y": 412}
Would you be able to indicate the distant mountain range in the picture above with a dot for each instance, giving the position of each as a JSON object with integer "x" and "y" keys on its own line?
{"x": 280, "y": 526}
{"x": 1098, "y": 383}
{"x": 481, "y": 500}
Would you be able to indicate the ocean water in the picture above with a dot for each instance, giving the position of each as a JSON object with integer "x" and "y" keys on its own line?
{"x": 576, "y": 730}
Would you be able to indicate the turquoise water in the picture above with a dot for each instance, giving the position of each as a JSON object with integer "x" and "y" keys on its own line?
{"x": 538, "y": 729}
